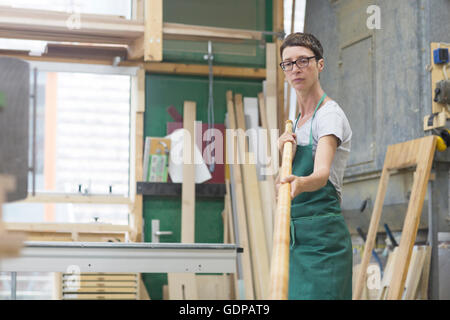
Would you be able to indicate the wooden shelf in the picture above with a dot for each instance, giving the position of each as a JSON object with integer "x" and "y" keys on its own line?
{"x": 55, "y": 26}
{"x": 174, "y": 189}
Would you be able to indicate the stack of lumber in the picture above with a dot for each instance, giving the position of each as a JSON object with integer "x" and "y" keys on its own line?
{"x": 250, "y": 200}
{"x": 416, "y": 285}
{"x": 99, "y": 286}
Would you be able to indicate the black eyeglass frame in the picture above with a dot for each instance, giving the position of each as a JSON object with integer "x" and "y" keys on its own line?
{"x": 295, "y": 62}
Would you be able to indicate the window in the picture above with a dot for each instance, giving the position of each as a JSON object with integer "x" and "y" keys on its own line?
{"x": 82, "y": 139}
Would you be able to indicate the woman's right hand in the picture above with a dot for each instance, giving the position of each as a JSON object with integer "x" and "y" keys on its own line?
{"x": 287, "y": 137}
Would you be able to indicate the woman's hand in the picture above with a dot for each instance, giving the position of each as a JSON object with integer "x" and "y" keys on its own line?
{"x": 287, "y": 137}
{"x": 296, "y": 184}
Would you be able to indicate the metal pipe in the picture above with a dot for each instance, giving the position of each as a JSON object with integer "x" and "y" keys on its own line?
{"x": 33, "y": 165}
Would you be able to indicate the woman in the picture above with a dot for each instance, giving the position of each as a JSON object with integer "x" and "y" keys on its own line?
{"x": 321, "y": 249}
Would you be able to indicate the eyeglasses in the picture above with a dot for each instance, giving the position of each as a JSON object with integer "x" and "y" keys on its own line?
{"x": 301, "y": 63}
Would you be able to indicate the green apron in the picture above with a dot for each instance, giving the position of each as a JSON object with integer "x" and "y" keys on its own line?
{"x": 321, "y": 256}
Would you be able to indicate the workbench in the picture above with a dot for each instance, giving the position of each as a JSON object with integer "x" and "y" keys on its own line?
{"x": 123, "y": 257}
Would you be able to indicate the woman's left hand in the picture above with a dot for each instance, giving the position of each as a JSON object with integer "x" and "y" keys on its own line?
{"x": 296, "y": 184}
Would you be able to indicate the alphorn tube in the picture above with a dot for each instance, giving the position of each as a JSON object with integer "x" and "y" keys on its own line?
{"x": 279, "y": 267}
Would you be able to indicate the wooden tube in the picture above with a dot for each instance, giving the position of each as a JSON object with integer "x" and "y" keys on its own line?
{"x": 279, "y": 268}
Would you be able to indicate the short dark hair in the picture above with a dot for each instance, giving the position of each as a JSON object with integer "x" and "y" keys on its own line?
{"x": 306, "y": 40}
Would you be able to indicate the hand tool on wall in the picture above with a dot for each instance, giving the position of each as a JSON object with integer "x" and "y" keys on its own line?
{"x": 279, "y": 267}
{"x": 391, "y": 237}
{"x": 210, "y": 58}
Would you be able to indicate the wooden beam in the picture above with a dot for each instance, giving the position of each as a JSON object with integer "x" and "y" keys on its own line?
{"x": 271, "y": 86}
{"x": 202, "y": 70}
{"x": 53, "y": 26}
{"x": 188, "y": 185}
{"x": 66, "y": 227}
{"x": 185, "y": 30}
{"x": 137, "y": 150}
{"x": 183, "y": 286}
{"x": 279, "y": 266}
{"x": 418, "y": 153}
{"x": 152, "y": 67}
{"x": 153, "y": 33}
{"x": 278, "y": 26}
{"x": 75, "y": 198}
{"x": 267, "y": 186}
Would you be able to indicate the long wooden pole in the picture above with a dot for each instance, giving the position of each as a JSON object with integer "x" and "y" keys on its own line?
{"x": 279, "y": 271}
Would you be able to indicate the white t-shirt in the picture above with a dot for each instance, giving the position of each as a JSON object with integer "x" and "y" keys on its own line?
{"x": 329, "y": 119}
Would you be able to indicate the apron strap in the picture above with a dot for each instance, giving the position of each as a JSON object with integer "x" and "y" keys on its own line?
{"x": 315, "y": 110}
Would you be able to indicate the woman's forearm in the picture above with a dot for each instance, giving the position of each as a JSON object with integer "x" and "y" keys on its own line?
{"x": 316, "y": 180}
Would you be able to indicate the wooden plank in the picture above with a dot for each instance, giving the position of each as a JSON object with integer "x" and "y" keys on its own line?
{"x": 152, "y": 67}
{"x": 52, "y": 26}
{"x": 68, "y": 236}
{"x": 424, "y": 149}
{"x": 415, "y": 271}
{"x": 422, "y": 292}
{"x": 153, "y": 33}
{"x": 137, "y": 156}
{"x": 101, "y": 284}
{"x": 75, "y": 198}
{"x": 387, "y": 276}
{"x": 202, "y": 70}
{"x": 418, "y": 153}
{"x": 259, "y": 252}
{"x": 165, "y": 290}
{"x": 267, "y": 186}
{"x": 188, "y": 185}
{"x": 258, "y": 238}
{"x": 439, "y": 121}
{"x": 66, "y": 227}
{"x": 100, "y": 290}
{"x": 279, "y": 267}
{"x": 182, "y": 286}
{"x": 180, "y": 29}
{"x": 213, "y": 287}
{"x": 370, "y": 292}
{"x": 371, "y": 235}
{"x": 240, "y": 204}
{"x": 271, "y": 87}
{"x": 226, "y": 235}
{"x": 97, "y": 277}
{"x": 143, "y": 293}
{"x": 278, "y": 26}
{"x": 89, "y": 296}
